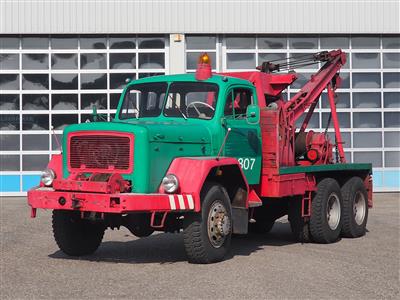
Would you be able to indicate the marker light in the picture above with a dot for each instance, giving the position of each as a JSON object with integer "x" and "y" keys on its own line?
{"x": 47, "y": 177}
{"x": 170, "y": 183}
{"x": 312, "y": 155}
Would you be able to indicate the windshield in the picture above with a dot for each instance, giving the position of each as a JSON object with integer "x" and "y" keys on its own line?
{"x": 143, "y": 100}
{"x": 191, "y": 100}
{"x": 184, "y": 100}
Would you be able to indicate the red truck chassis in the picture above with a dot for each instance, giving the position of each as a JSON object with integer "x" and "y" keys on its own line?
{"x": 297, "y": 167}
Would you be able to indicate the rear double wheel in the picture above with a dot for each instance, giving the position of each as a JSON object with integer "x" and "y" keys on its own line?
{"x": 326, "y": 217}
{"x": 207, "y": 235}
{"x": 355, "y": 208}
{"x": 76, "y": 236}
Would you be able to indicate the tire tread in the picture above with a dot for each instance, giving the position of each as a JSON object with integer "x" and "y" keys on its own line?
{"x": 349, "y": 229}
{"x": 320, "y": 233}
{"x": 75, "y": 240}
{"x": 194, "y": 240}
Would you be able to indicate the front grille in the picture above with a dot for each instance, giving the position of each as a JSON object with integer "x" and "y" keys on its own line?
{"x": 100, "y": 152}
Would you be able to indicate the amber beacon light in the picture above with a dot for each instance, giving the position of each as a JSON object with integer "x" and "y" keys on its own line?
{"x": 203, "y": 71}
{"x": 204, "y": 59}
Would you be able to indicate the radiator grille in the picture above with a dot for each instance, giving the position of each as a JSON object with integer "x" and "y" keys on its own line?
{"x": 96, "y": 152}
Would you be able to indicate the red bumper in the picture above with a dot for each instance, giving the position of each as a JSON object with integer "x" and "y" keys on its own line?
{"x": 48, "y": 198}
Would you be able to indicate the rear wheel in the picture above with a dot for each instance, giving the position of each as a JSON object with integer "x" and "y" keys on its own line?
{"x": 355, "y": 208}
{"x": 207, "y": 235}
{"x": 326, "y": 219}
{"x": 75, "y": 236}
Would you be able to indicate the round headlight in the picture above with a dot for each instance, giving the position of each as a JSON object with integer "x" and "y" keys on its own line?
{"x": 170, "y": 183}
{"x": 47, "y": 177}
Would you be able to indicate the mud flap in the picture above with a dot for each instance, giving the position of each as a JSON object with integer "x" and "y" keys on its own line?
{"x": 240, "y": 220}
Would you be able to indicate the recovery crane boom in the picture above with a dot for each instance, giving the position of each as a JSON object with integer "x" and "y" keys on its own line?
{"x": 269, "y": 91}
{"x": 309, "y": 94}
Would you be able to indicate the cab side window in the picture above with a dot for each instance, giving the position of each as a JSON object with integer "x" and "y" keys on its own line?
{"x": 237, "y": 102}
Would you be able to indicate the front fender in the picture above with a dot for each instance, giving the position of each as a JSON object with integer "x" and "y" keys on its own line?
{"x": 56, "y": 164}
{"x": 193, "y": 171}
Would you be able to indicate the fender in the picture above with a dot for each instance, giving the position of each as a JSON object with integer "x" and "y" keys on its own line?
{"x": 56, "y": 164}
{"x": 192, "y": 172}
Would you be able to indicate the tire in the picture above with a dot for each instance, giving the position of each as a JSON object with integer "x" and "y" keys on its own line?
{"x": 355, "y": 208}
{"x": 207, "y": 235}
{"x": 261, "y": 226}
{"x": 299, "y": 226}
{"x": 75, "y": 236}
{"x": 326, "y": 219}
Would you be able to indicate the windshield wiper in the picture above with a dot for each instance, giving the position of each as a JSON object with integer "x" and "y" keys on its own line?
{"x": 183, "y": 115}
{"x": 177, "y": 107}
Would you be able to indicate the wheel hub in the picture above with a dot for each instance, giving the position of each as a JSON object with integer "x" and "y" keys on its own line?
{"x": 359, "y": 208}
{"x": 218, "y": 223}
{"x": 333, "y": 211}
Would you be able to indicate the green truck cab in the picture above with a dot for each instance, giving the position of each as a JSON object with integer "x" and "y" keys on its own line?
{"x": 184, "y": 124}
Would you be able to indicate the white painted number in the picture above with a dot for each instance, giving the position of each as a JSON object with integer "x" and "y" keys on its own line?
{"x": 246, "y": 163}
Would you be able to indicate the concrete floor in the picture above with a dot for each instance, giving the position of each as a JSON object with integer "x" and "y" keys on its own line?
{"x": 270, "y": 266}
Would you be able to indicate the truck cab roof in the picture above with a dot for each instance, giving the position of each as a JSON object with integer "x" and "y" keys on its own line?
{"x": 215, "y": 78}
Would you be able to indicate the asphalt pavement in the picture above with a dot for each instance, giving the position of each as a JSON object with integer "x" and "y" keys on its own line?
{"x": 272, "y": 266}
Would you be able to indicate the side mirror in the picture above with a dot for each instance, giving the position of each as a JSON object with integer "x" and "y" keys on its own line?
{"x": 94, "y": 113}
{"x": 253, "y": 114}
{"x": 224, "y": 123}
{"x": 96, "y": 116}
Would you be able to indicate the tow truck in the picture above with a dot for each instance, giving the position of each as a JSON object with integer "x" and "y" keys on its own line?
{"x": 212, "y": 155}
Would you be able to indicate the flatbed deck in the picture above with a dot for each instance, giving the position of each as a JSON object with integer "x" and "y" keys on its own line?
{"x": 325, "y": 168}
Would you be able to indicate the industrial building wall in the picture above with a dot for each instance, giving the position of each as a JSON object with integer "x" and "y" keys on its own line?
{"x": 198, "y": 16}
{"x": 50, "y": 81}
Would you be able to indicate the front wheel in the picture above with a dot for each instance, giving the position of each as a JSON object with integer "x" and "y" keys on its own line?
{"x": 207, "y": 235}
{"x": 75, "y": 236}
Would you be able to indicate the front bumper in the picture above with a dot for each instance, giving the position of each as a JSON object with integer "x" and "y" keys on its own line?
{"x": 48, "y": 198}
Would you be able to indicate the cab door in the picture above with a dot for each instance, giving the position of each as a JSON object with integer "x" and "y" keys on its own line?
{"x": 244, "y": 139}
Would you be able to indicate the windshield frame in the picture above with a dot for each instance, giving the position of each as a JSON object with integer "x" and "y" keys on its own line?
{"x": 122, "y": 104}
{"x": 217, "y": 91}
{"x": 120, "y": 108}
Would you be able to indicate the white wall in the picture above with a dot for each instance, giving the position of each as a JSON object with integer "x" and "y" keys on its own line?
{"x": 204, "y": 16}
